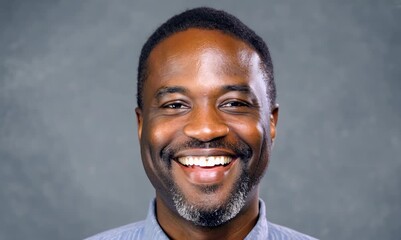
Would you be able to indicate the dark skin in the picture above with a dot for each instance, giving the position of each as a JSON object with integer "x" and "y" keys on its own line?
{"x": 204, "y": 85}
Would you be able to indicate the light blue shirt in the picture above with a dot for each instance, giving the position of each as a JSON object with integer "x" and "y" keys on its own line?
{"x": 150, "y": 229}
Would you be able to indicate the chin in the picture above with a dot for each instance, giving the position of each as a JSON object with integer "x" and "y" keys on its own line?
{"x": 205, "y": 215}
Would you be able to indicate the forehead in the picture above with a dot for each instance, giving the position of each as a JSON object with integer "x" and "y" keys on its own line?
{"x": 194, "y": 50}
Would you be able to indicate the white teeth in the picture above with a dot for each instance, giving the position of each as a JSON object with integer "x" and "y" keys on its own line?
{"x": 205, "y": 161}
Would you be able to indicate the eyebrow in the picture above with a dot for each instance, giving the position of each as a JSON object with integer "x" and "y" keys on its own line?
{"x": 246, "y": 89}
{"x": 168, "y": 90}
{"x": 161, "y": 92}
{"x": 238, "y": 88}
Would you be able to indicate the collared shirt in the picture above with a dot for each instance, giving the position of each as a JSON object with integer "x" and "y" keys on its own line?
{"x": 150, "y": 229}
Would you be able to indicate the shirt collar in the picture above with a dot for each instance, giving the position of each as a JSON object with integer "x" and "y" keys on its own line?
{"x": 152, "y": 227}
{"x": 260, "y": 230}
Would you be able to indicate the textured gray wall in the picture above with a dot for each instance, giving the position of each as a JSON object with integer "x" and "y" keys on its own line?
{"x": 69, "y": 155}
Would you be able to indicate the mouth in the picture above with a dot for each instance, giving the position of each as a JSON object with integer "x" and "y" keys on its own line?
{"x": 205, "y": 161}
{"x": 206, "y": 169}
{"x": 206, "y": 166}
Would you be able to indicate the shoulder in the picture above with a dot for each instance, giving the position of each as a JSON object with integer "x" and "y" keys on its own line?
{"x": 278, "y": 232}
{"x": 130, "y": 231}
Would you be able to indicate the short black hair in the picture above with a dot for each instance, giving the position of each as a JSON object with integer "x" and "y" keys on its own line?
{"x": 209, "y": 19}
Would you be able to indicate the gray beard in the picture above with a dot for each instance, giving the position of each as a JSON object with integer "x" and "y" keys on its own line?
{"x": 214, "y": 216}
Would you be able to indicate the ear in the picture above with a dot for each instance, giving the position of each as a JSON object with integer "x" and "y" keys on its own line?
{"x": 273, "y": 122}
{"x": 139, "y": 119}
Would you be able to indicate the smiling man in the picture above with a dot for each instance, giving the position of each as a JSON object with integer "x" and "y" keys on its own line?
{"x": 206, "y": 122}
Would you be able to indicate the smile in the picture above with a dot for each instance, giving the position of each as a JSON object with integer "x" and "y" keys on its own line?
{"x": 205, "y": 161}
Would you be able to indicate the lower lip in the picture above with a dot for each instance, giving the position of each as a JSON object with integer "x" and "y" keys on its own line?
{"x": 207, "y": 175}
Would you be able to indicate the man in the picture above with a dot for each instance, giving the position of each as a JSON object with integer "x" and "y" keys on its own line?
{"x": 206, "y": 122}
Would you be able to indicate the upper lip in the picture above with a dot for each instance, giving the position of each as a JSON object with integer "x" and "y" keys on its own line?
{"x": 204, "y": 152}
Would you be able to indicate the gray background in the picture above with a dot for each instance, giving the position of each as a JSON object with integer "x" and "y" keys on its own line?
{"x": 70, "y": 164}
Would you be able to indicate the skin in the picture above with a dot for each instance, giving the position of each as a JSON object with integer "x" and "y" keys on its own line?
{"x": 204, "y": 85}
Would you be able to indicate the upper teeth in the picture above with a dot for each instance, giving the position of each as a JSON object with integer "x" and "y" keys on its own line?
{"x": 208, "y": 161}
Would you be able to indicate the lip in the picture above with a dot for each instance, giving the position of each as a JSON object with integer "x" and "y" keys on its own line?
{"x": 206, "y": 175}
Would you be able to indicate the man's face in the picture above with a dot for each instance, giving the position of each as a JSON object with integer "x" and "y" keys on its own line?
{"x": 205, "y": 128}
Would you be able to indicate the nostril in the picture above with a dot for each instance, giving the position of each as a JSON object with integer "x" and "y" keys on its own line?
{"x": 206, "y": 132}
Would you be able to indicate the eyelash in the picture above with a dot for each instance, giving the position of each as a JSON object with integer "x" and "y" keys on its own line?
{"x": 173, "y": 105}
{"x": 236, "y": 103}
{"x": 229, "y": 106}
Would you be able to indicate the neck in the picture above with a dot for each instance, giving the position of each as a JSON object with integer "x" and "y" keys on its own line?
{"x": 177, "y": 227}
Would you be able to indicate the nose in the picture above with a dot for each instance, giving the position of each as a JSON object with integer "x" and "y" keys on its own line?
{"x": 206, "y": 125}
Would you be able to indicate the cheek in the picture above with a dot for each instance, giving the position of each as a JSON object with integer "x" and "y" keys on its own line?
{"x": 155, "y": 136}
{"x": 158, "y": 133}
{"x": 254, "y": 134}
{"x": 251, "y": 131}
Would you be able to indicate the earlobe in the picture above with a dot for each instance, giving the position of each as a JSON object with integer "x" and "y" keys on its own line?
{"x": 139, "y": 120}
{"x": 273, "y": 122}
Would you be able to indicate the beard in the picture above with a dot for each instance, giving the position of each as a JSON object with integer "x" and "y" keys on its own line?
{"x": 203, "y": 214}
{"x": 215, "y": 215}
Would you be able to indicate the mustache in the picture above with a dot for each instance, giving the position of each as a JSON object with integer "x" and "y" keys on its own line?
{"x": 239, "y": 148}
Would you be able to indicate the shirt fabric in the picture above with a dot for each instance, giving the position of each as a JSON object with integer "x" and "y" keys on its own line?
{"x": 149, "y": 229}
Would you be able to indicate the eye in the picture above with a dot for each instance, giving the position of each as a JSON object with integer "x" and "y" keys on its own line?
{"x": 175, "y": 105}
{"x": 235, "y": 104}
